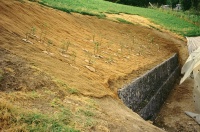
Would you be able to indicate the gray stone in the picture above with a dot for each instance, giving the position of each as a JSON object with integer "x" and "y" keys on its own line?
{"x": 146, "y": 94}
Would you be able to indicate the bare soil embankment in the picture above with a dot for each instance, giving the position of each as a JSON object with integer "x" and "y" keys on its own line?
{"x": 102, "y": 56}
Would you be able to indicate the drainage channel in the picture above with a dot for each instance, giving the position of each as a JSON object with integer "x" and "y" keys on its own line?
{"x": 146, "y": 94}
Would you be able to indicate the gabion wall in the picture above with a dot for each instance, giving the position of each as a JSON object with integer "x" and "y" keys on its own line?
{"x": 146, "y": 94}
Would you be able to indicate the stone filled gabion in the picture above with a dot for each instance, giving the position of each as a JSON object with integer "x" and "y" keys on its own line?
{"x": 146, "y": 94}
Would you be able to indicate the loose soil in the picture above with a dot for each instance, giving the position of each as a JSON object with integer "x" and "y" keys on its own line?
{"x": 172, "y": 116}
{"x": 103, "y": 55}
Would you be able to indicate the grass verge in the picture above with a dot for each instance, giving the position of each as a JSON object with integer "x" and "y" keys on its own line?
{"x": 123, "y": 21}
{"x": 170, "y": 21}
{"x": 15, "y": 119}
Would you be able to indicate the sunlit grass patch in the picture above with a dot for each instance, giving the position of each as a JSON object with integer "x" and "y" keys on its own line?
{"x": 15, "y": 119}
{"x": 173, "y": 21}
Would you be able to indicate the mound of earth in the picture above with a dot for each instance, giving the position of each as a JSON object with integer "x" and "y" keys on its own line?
{"x": 49, "y": 55}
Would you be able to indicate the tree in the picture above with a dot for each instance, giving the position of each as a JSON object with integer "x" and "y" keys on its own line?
{"x": 195, "y": 4}
{"x": 186, "y": 4}
{"x": 172, "y": 2}
{"x": 134, "y": 2}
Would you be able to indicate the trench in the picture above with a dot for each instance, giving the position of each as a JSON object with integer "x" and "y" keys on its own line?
{"x": 145, "y": 95}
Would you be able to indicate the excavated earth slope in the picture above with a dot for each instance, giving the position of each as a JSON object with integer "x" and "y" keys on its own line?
{"x": 37, "y": 67}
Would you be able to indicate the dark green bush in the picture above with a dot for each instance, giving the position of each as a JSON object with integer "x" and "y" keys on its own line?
{"x": 186, "y": 4}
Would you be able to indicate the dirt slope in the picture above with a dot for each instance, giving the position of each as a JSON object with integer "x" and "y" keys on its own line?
{"x": 102, "y": 56}
{"x": 172, "y": 115}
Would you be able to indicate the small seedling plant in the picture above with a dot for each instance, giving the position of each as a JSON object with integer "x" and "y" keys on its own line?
{"x": 43, "y": 33}
{"x": 91, "y": 60}
{"x": 73, "y": 57}
{"x": 30, "y": 34}
{"x": 96, "y": 46}
{"x": 65, "y": 47}
{"x": 49, "y": 44}
{"x": 33, "y": 31}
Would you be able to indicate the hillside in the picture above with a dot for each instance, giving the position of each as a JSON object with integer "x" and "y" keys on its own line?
{"x": 182, "y": 23}
{"x": 55, "y": 64}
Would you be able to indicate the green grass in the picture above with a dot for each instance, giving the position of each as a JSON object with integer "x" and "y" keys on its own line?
{"x": 36, "y": 122}
{"x": 15, "y": 119}
{"x": 87, "y": 113}
{"x": 73, "y": 91}
{"x": 1, "y": 74}
{"x": 170, "y": 21}
{"x": 123, "y": 21}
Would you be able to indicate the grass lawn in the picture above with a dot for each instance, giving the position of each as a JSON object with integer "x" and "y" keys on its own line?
{"x": 170, "y": 21}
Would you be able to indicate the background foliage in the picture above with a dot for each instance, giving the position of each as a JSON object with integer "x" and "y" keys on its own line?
{"x": 186, "y": 4}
